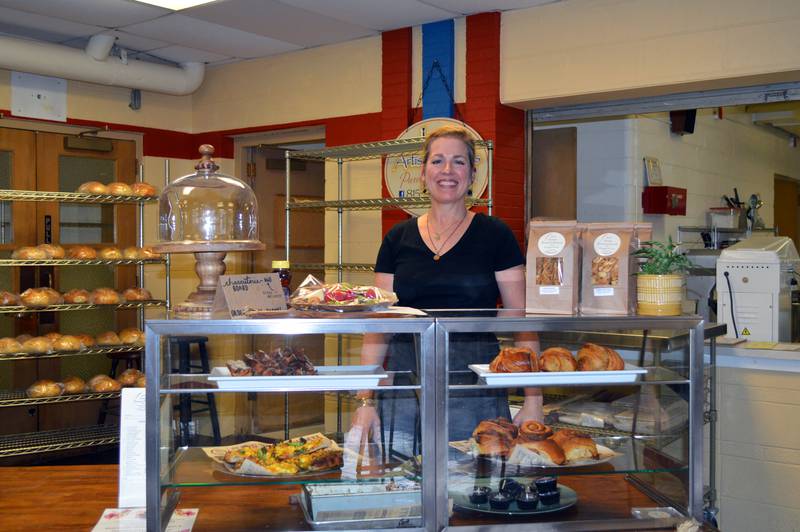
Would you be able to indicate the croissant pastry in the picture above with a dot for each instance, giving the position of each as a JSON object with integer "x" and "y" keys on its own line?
{"x": 514, "y": 360}
{"x": 593, "y": 357}
{"x": 533, "y": 431}
{"x": 557, "y": 359}
{"x": 495, "y": 436}
{"x": 548, "y": 449}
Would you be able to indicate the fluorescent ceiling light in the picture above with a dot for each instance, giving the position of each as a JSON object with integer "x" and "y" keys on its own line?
{"x": 175, "y": 5}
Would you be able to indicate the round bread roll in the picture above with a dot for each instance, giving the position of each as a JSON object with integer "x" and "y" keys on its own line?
{"x": 74, "y": 384}
{"x": 97, "y": 378}
{"x": 86, "y": 340}
{"x": 141, "y": 382}
{"x": 118, "y": 188}
{"x": 52, "y": 336}
{"x": 143, "y": 189}
{"x": 10, "y": 345}
{"x": 131, "y": 253}
{"x": 8, "y": 299}
{"x": 81, "y": 252}
{"x": 106, "y": 385}
{"x": 52, "y": 251}
{"x": 37, "y": 344}
{"x": 54, "y": 297}
{"x": 44, "y": 388}
{"x": 28, "y": 252}
{"x": 136, "y": 294}
{"x": 132, "y": 336}
{"x": 93, "y": 187}
{"x": 35, "y": 297}
{"x": 77, "y": 295}
{"x": 67, "y": 343}
{"x": 109, "y": 253}
{"x": 129, "y": 376}
{"x": 22, "y": 338}
{"x": 105, "y": 296}
{"x": 108, "y": 338}
{"x": 148, "y": 253}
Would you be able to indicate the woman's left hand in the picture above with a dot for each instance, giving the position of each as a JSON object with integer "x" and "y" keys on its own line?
{"x": 531, "y": 410}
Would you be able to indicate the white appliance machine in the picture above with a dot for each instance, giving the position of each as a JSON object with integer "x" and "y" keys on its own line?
{"x": 755, "y": 279}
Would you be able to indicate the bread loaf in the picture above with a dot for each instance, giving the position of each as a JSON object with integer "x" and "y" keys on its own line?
{"x": 93, "y": 187}
{"x": 143, "y": 189}
{"x": 38, "y": 344}
{"x": 67, "y": 343}
{"x": 29, "y": 253}
{"x": 9, "y": 299}
{"x": 44, "y": 388}
{"x": 136, "y": 294}
{"x": 132, "y": 336}
{"x": 53, "y": 251}
{"x": 86, "y": 340}
{"x": 77, "y": 295}
{"x": 74, "y": 385}
{"x": 129, "y": 376}
{"x": 109, "y": 253}
{"x": 81, "y": 252}
{"x": 120, "y": 189}
{"x": 10, "y": 345}
{"x": 108, "y": 338}
{"x": 105, "y": 296}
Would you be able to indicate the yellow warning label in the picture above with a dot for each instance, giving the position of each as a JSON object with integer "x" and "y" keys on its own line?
{"x": 745, "y": 332}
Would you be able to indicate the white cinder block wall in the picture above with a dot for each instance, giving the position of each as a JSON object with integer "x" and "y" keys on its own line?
{"x": 719, "y": 155}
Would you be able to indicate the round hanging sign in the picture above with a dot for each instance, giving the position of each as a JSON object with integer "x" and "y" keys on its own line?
{"x": 402, "y": 173}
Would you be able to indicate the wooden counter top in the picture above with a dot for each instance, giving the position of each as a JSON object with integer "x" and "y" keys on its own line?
{"x": 73, "y": 498}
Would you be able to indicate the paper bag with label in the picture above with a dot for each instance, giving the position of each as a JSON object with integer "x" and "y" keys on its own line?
{"x": 553, "y": 267}
{"x": 256, "y": 291}
{"x": 606, "y": 268}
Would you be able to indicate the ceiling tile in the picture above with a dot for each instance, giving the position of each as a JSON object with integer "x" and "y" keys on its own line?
{"x": 195, "y": 33}
{"x": 469, "y": 7}
{"x": 106, "y": 13}
{"x": 41, "y": 27}
{"x": 380, "y": 15}
{"x": 181, "y": 54}
{"x": 280, "y": 21}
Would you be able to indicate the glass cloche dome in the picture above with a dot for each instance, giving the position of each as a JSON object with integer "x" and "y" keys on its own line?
{"x": 208, "y": 206}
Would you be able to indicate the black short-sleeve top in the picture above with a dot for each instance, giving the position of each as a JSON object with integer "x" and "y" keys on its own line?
{"x": 462, "y": 278}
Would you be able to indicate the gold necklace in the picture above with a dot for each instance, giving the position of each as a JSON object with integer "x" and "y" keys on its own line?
{"x": 438, "y": 236}
{"x": 436, "y": 254}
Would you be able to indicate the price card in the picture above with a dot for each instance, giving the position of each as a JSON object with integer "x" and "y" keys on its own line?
{"x": 254, "y": 291}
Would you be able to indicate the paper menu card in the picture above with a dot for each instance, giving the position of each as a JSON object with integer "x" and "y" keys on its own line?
{"x": 132, "y": 448}
{"x": 135, "y": 520}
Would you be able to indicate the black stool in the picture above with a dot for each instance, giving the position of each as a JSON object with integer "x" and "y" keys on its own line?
{"x": 185, "y": 401}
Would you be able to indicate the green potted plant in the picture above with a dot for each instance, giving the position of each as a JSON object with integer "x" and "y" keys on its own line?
{"x": 660, "y": 283}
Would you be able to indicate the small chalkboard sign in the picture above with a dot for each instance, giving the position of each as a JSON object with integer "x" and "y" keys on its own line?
{"x": 255, "y": 291}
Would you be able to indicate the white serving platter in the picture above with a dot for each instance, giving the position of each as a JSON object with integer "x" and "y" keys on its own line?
{"x": 546, "y": 378}
{"x": 327, "y": 378}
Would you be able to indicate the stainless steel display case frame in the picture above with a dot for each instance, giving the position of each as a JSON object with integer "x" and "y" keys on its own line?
{"x": 434, "y": 339}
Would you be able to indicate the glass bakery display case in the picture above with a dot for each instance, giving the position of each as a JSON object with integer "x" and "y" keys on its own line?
{"x": 620, "y": 447}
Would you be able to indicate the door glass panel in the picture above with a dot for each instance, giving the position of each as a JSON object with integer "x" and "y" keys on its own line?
{"x": 79, "y": 223}
{"x": 5, "y": 206}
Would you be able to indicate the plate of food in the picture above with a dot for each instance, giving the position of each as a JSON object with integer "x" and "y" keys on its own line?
{"x": 592, "y": 364}
{"x": 340, "y": 297}
{"x": 533, "y": 444}
{"x": 302, "y": 456}
{"x": 512, "y": 496}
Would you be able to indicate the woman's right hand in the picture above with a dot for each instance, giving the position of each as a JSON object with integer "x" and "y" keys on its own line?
{"x": 365, "y": 425}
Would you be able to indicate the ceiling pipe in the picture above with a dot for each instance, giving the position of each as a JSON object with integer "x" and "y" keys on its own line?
{"x": 94, "y": 65}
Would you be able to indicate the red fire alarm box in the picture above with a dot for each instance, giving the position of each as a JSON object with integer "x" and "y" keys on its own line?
{"x": 664, "y": 200}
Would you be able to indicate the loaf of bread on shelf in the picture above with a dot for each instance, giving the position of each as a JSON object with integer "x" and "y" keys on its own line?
{"x": 129, "y": 376}
{"x": 105, "y": 385}
{"x": 108, "y": 338}
{"x": 593, "y": 357}
{"x": 93, "y": 187}
{"x": 78, "y": 295}
{"x": 40, "y": 297}
{"x": 514, "y": 360}
{"x": 132, "y": 336}
{"x": 74, "y": 384}
{"x": 44, "y": 388}
{"x": 22, "y": 338}
{"x": 109, "y": 253}
{"x": 10, "y": 345}
{"x": 136, "y": 294}
{"x": 105, "y": 296}
{"x": 141, "y": 382}
{"x": 86, "y": 340}
{"x": 52, "y": 336}
{"x": 118, "y": 188}
{"x": 53, "y": 251}
{"x": 8, "y": 299}
{"x": 29, "y": 253}
{"x": 67, "y": 342}
{"x": 81, "y": 252}
{"x": 37, "y": 344}
{"x": 143, "y": 189}
{"x": 147, "y": 253}
{"x": 557, "y": 359}
{"x": 131, "y": 253}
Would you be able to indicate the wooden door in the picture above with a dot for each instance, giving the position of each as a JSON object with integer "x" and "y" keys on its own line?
{"x": 786, "y": 204}
{"x": 17, "y": 171}
{"x": 554, "y": 171}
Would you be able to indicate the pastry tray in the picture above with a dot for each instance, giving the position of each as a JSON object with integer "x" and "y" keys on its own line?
{"x": 327, "y": 378}
{"x": 548, "y": 378}
{"x": 361, "y": 510}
